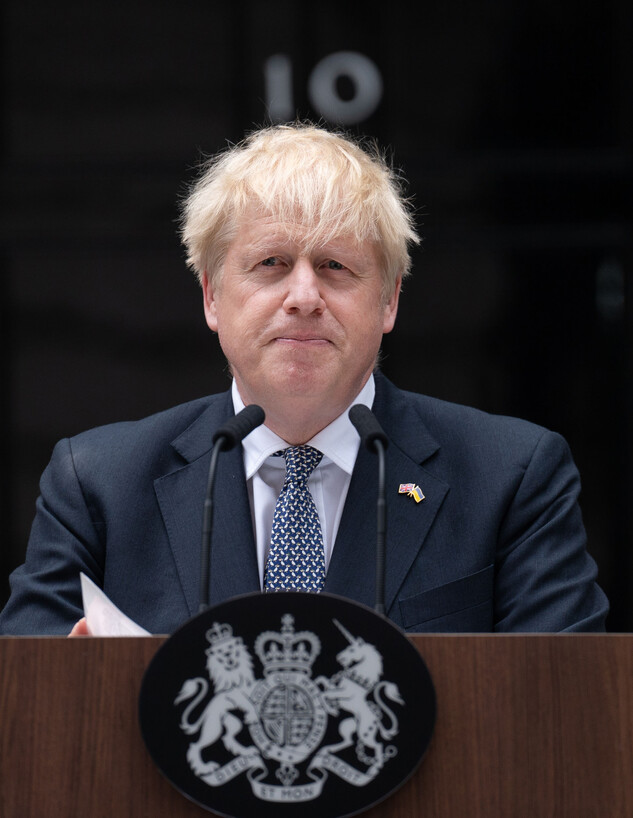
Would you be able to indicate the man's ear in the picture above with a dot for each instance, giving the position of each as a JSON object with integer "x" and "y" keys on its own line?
{"x": 210, "y": 312}
{"x": 391, "y": 308}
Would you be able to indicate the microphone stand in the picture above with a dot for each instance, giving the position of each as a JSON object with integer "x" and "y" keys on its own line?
{"x": 376, "y": 441}
{"x": 207, "y": 525}
{"x": 381, "y": 530}
{"x": 225, "y": 438}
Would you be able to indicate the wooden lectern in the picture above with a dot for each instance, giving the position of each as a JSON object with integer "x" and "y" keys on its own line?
{"x": 526, "y": 726}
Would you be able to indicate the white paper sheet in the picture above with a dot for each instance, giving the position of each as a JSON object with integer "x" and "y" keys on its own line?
{"x": 102, "y": 616}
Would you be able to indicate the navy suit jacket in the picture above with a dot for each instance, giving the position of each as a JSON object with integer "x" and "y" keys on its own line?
{"x": 496, "y": 545}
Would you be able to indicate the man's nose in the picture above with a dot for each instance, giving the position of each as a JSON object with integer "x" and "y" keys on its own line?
{"x": 303, "y": 288}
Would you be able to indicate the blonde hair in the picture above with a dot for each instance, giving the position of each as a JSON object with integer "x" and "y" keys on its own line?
{"x": 300, "y": 173}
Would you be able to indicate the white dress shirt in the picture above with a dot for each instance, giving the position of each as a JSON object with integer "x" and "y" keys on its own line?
{"x": 328, "y": 483}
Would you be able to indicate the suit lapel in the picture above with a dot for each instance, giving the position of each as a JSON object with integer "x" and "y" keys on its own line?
{"x": 180, "y": 493}
{"x": 352, "y": 568}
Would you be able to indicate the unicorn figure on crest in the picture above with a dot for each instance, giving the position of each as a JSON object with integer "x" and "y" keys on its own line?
{"x": 357, "y": 689}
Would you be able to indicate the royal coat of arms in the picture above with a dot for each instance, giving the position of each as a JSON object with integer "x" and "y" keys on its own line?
{"x": 287, "y": 730}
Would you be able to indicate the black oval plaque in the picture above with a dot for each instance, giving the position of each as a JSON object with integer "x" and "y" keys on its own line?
{"x": 271, "y": 703}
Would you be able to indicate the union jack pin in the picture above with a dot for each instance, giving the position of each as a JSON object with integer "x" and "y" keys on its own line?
{"x": 412, "y": 491}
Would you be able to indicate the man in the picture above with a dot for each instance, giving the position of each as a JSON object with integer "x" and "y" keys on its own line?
{"x": 300, "y": 240}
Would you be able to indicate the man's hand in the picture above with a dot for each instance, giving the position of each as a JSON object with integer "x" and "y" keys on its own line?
{"x": 80, "y": 628}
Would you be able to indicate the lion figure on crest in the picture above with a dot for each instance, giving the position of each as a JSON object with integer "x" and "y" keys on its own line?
{"x": 230, "y": 668}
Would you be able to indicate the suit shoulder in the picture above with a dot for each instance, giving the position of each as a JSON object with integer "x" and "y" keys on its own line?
{"x": 165, "y": 424}
{"x": 464, "y": 428}
{"x": 441, "y": 412}
{"x": 145, "y": 446}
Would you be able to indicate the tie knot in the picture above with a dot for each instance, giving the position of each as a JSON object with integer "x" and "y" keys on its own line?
{"x": 301, "y": 461}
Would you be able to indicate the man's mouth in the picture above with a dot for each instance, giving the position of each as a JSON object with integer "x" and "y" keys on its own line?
{"x": 299, "y": 339}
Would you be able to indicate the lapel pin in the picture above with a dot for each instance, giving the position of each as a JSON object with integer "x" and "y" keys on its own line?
{"x": 412, "y": 491}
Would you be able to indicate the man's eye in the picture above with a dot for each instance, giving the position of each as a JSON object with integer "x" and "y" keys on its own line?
{"x": 334, "y": 265}
{"x": 270, "y": 261}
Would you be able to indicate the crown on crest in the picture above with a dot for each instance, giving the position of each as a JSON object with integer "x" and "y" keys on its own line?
{"x": 287, "y": 650}
{"x": 220, "y": 634}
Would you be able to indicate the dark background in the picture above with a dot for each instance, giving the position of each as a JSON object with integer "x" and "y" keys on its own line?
{"x": 512, "y": 120}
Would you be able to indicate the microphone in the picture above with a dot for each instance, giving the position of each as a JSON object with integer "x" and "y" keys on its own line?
{"x": 367, "y": 426}
{"x": 236, "y": 428}
{"x": 373, "y": 437}
{"x": 225, "y": 438}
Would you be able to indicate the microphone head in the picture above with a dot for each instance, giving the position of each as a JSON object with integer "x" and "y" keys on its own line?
{"x": 367, "y": 426}
{"x": 242, "y": 424}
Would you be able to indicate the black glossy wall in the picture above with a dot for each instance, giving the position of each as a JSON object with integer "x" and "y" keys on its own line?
{"x": 513, "y": 122}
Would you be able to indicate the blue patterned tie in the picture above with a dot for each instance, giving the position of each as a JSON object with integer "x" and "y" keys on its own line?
{"x": 296, "y": 560}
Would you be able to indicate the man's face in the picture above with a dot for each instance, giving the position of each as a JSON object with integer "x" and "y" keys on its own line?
{"x": 299, "y": 327}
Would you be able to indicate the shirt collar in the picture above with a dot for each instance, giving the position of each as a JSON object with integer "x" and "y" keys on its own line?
{"x": 339, "y": 441}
